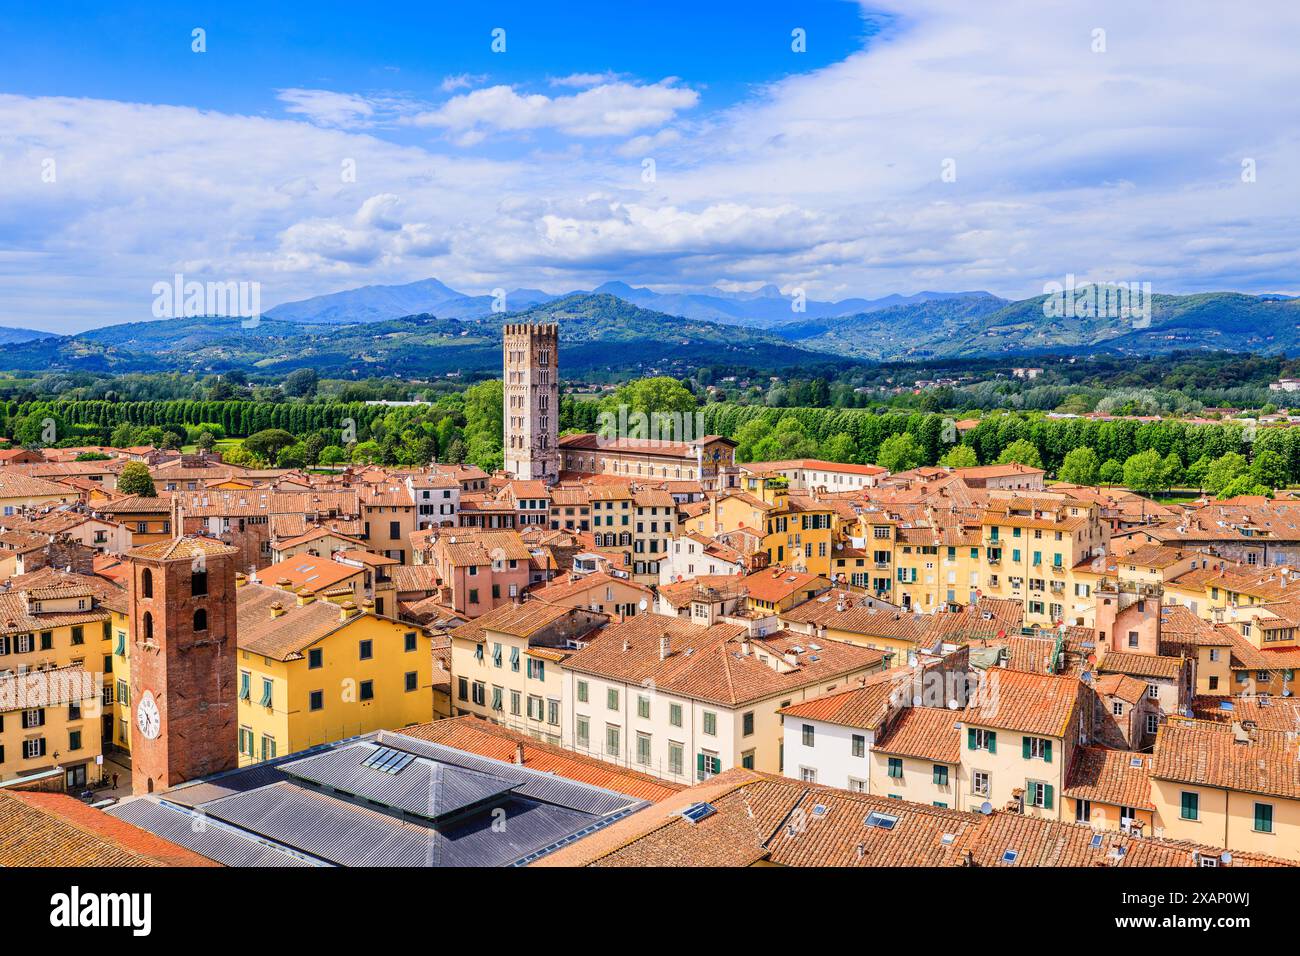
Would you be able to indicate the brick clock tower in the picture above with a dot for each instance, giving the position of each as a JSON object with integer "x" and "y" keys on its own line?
{"x": 184, "y": 714}
{"x": 532, "y": 401}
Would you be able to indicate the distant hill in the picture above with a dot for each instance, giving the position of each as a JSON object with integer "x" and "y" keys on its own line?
{"x": 763, "y": 308}
{"x": 602, "y": 332}
{"x": 378, "y": 303}
{"x": 10, "y": 335}
{"x": 597, "y": 331}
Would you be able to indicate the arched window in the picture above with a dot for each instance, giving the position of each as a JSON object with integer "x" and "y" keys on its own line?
{"x": 148, "y": 624}
{"x": 200, "y": 620}
{"x": 146, "y": 583}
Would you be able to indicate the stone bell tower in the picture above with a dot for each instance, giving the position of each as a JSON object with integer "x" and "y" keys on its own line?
{"x": 532, "y": 401}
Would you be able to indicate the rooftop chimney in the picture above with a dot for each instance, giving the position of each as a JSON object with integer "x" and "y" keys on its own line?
{"x": 663, "y": 647}
{"x": 277, "y": 609}
{"x": 519, "y": 754}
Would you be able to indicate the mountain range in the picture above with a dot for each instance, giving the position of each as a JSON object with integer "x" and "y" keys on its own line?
{"x": 429, "y": 329}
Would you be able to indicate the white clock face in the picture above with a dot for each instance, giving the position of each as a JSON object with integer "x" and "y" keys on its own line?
{"x": 147, "y": 716}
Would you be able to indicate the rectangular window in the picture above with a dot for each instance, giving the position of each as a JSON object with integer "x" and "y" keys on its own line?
{"x": 807, "y": 735}
{"x": 707, "y": 765}
{"x": 582, "y": 691}
{"x": 1191, "y": 806}
{"x": 1263, "y": 818}
{"x": 367, "y": 691}
{"x": 675, "y": 714}
{"x": 245, "y": 685}
{"x": 317, "y": 698}
{"x": 584, "y": 733}
{"x": 676, "y": 754}
{"x": 366, "y": 649}
{"x": 979, "y": 783}
{"x": 896, "y": 768}
{"x": 553, "y": 712}
{"x": 859, "y": 745}
{"x": 710, "y": 723}
{"x": 643, "y": 707}
{"x": 611, "y": 698}
{"x": 940, "y": 775}
{"x": 979, "y": 739}
{"x": 409, "y": 640}
{"x": 315, "y": 659}
{"x": 268, "y": 747}
{"x": 267, "y": 687}
{"x": 612, "y": 746}
{"x": 747, "y": 724}
{"x": 412, "y": 681}
{"x": 1037, "y": 748}
{"x": 643, "y": 749}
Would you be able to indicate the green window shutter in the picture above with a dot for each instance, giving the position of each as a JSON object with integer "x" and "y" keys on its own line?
{"x": 993, "y": 742}
{"x": 1024, "y": 747}
{"x": 970, "y": 738}
{"x": 1047, "y": 796}
{"x": 699, "y": 762}
{"x": 1047, "y": 750}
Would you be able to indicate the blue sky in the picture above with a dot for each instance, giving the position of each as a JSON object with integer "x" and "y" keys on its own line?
{"x": 915, "y": 144}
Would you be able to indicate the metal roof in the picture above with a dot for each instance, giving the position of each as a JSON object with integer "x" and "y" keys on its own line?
{"x": 325, "y": 805}
{"x": 203, "y": 835}
{"x": 422, "y": 787}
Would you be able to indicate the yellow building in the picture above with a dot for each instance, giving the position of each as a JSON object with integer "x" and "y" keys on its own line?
{"x": 1017, "y": 741}
{"x": 312, "y": 672}
{"x": 1031, "y": 549}
{"x": 49, "y": 723}
{"x": 1228, "y": 785}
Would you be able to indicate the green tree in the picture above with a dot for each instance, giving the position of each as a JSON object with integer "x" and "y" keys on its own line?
{"x": 900, "y": 453}
{"x": 135, "y": 479}
{"x": 1144, "y": 472}
{"x": 1171, "y": 471}
{"x": 1223, "y": 471}
{"x": 787, "y": 440}
{"x": 840, "y": 448}
{"x": 1268, "y": 469}
{"x": 367, "y": 453}
{"x": 1111, "y": 472}
{"x": 333, "y": 455}
{"x": 1196, "y": 472}
{"x": 1243, "y": 485}
{"x": 1080, "y": 466}
{"x": 266, "y": 444}
{"x": 484, "y": 425}
{"x": 1021, "y": 452}
{"x": 960, "y": 456}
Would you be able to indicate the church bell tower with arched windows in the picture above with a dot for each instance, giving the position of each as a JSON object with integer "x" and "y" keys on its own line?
{"x": 182, "y": 609}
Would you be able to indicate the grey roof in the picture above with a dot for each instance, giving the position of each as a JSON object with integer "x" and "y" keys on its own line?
{"x": 204, "y": 835}
{"x": 422, "y": 787}
{"x": 325, "y": 805}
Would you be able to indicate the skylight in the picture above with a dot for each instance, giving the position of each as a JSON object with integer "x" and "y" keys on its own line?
{"x": 881, "y": 821}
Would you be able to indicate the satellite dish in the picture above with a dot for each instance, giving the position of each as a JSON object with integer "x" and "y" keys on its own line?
{"x": 953, "y": 705}
{"x": 916, "y": 701}
{"x": 1226, "y": 857}
{"x": 986, "y": 808}
{"x": 642, "y": 605}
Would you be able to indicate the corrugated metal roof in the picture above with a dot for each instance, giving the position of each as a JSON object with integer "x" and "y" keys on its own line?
{"x": 529, "y": 783}
{"x": 208, "y": 837}
{"x": 423, "y": 787}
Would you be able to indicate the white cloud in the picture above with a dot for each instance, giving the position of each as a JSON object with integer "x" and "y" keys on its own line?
{"x": 610, "y": 109}
{"x": 325, "y": 108}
